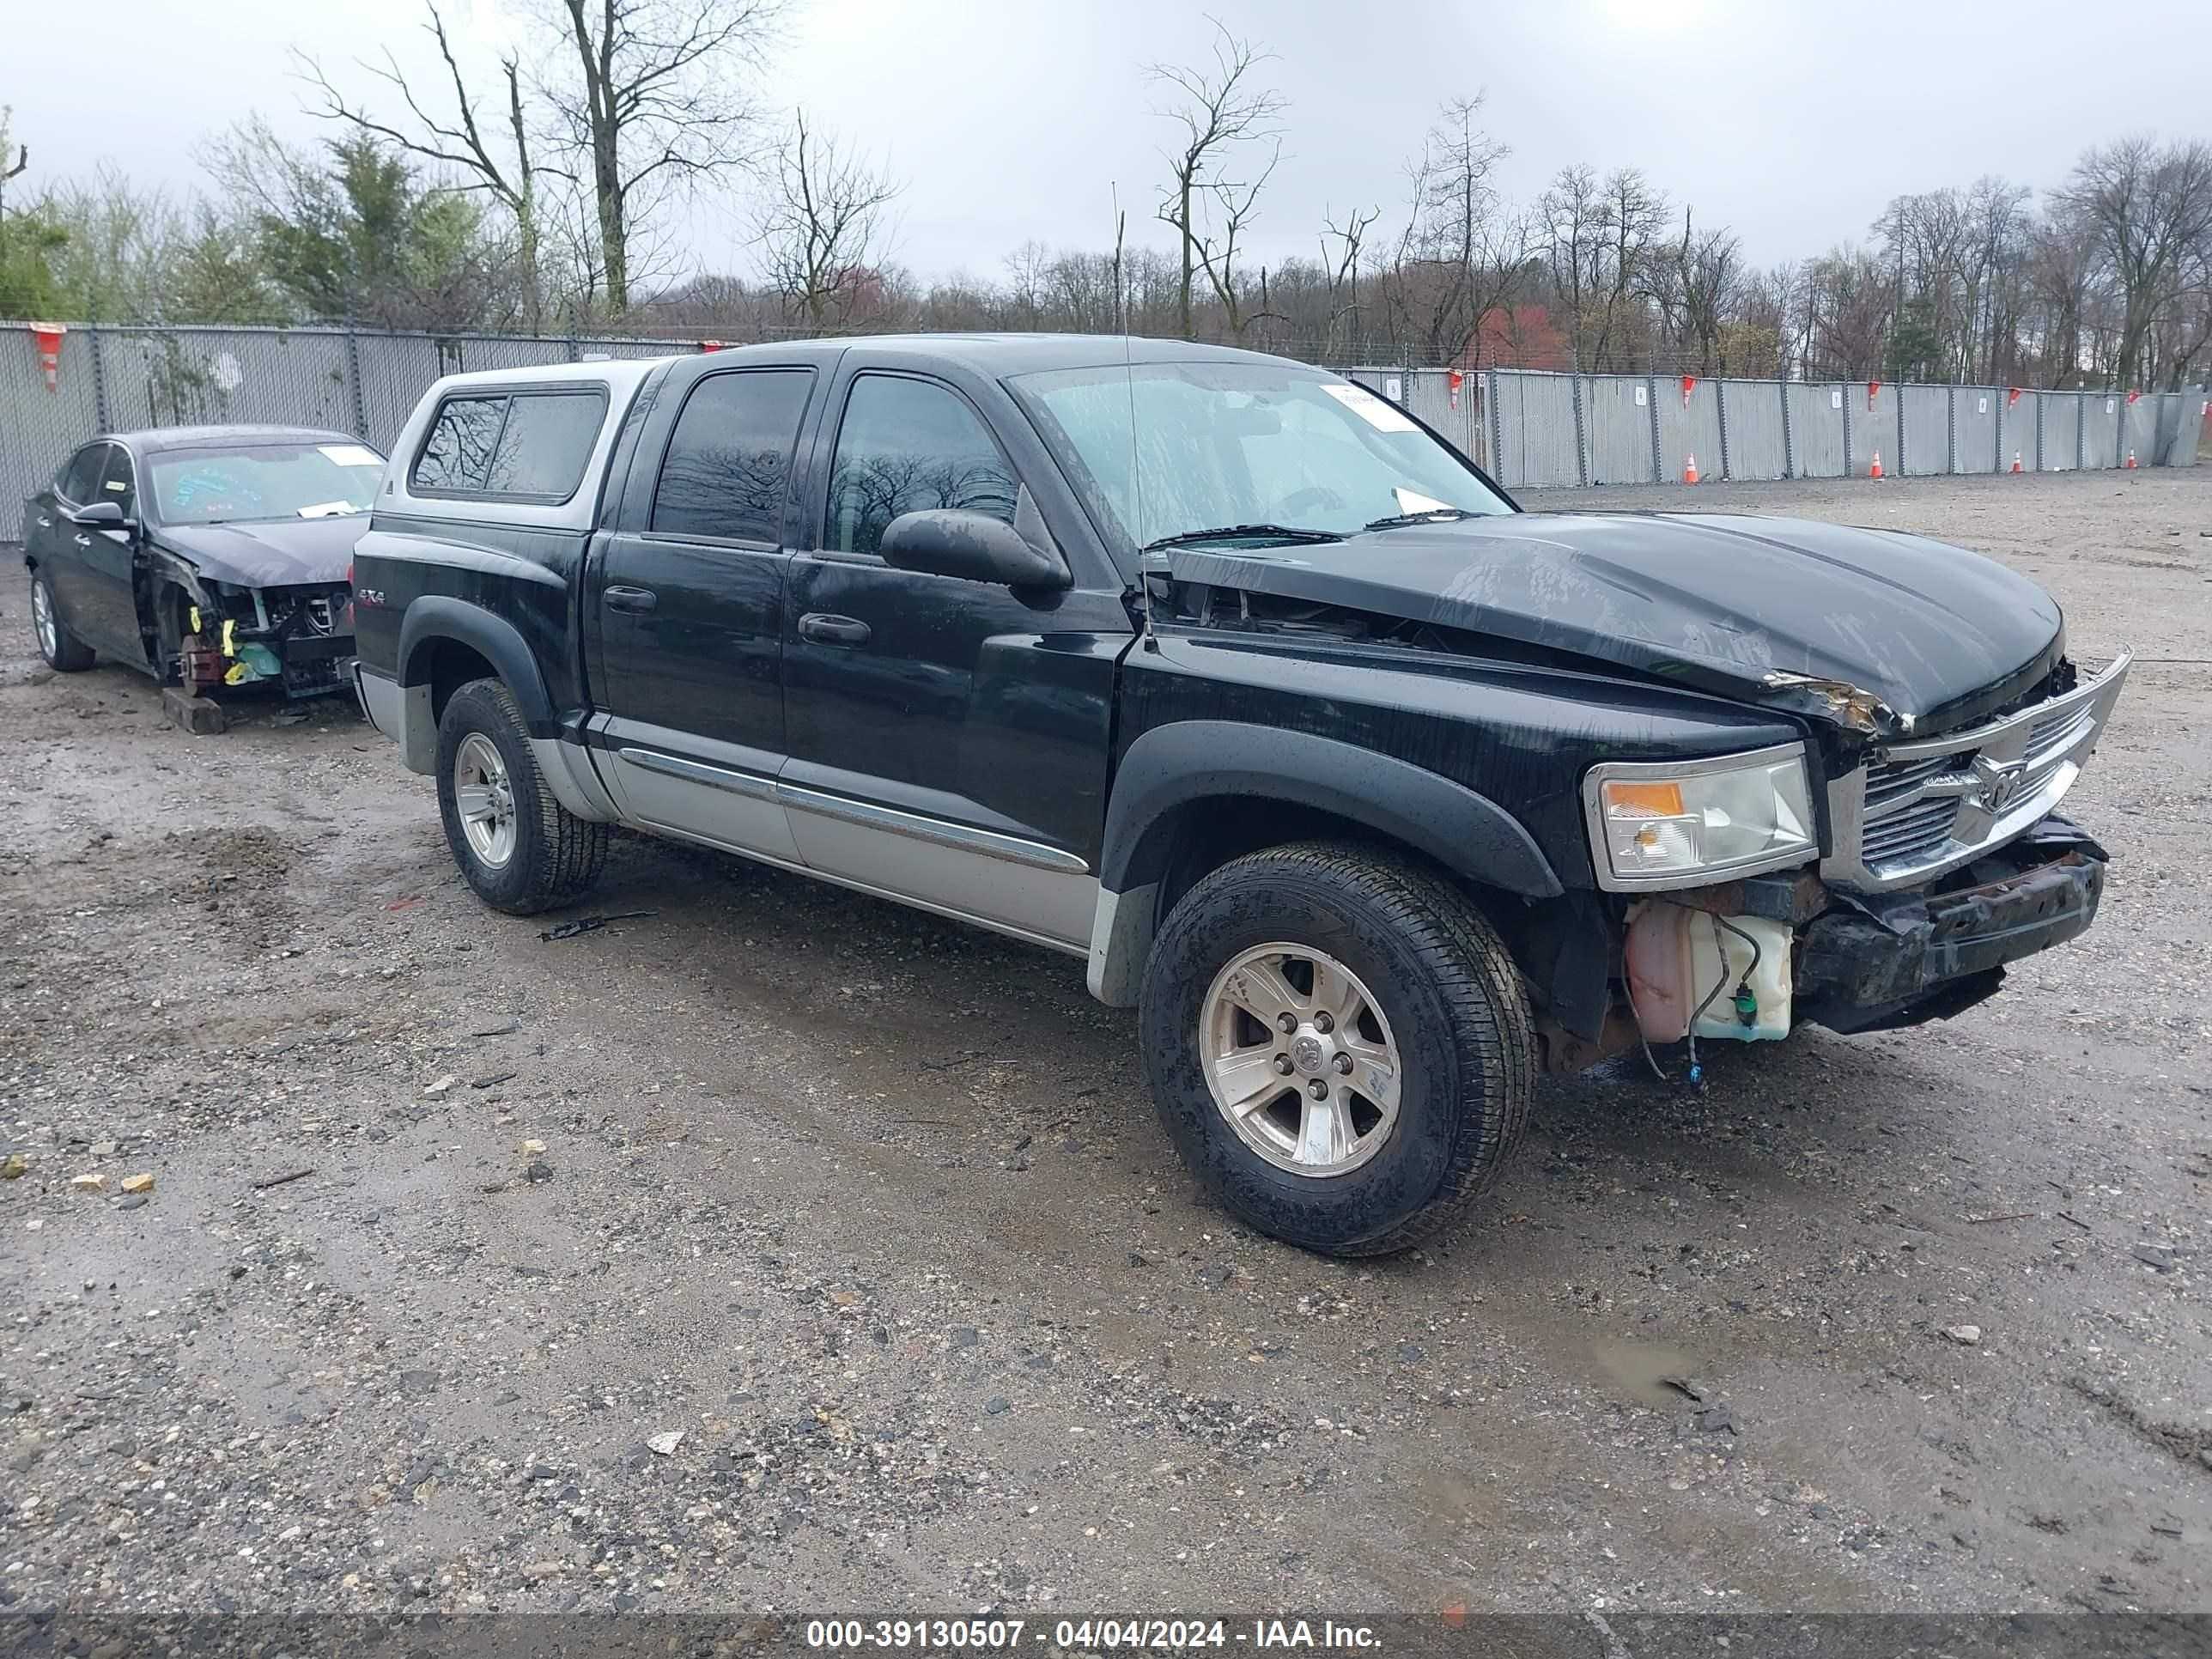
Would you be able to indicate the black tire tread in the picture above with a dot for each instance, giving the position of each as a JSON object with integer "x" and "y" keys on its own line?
{"x": 569, "y": 853}
{"x": 71, "y": 654}
{"x": 1493, "y": 1030}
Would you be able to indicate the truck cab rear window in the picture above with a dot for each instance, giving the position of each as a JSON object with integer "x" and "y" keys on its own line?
{"x": 530, "y": 445}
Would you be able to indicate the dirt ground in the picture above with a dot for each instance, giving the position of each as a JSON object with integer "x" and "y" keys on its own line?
{"x": 872, "y": 1215}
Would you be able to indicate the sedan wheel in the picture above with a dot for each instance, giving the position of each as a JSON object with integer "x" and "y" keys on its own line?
{"x": 42, "y": 619}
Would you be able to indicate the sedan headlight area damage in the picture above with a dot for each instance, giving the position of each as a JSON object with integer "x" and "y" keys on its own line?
{"x": 293, "y": 637}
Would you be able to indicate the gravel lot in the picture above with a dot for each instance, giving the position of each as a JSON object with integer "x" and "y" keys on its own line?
{"x": 787, "y": 1249}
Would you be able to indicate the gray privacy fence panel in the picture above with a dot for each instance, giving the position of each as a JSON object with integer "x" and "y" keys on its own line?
{"x": 2138, "y": 429}
{"x": 2016, "y": 430}
{"x": 1975, "y": 413}
{"x": 195, "y": 377}
{"x": 1870, "y": 417}
{"x": 1686, "y": 430}
{"x": 1816, "y": 431}
{"x": 2180, "y": 428}
{"x": 2100, "y": 428}
{"x": 38, "y": 428}
{"x": 395, "y": 372}
{"x": 1753, "y": 419}
{"x": 1428, "y": 398}
{"x": 2059, "y": 415}
{"x": 1537, "y": 443}
{"x": 1617, "y": 414}
{"x": 1924, "y": 445}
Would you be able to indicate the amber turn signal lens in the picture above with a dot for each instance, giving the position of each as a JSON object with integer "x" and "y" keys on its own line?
{"x": 1658, "y": 799}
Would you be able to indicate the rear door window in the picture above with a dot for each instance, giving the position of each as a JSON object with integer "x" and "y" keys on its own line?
{"x": 729, "y": 459}
{"x": 529, "y": 444}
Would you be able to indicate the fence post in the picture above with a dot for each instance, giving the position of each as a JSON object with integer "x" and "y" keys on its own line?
{"x": 1497, "y": 431}
{"x": 1950, "y": 428}
{"x": 1720, "y": 408}
{"x": 1581, "y": 438}
{"x": 353, "y": 386}
{"x": 1851, "y": 462}
{"x": 1896, "y": 455}
{"x": 2038, "y": 432}
{"x": 1789, "y": 442}
{"x": 1658, "y": 462}
{"x": 2080, "y": 430}
{"x": 98, "y": 379}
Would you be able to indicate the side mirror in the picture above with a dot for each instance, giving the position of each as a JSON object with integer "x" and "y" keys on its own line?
{"x": 101, "y": 515}
{"x": 951, "y": 541}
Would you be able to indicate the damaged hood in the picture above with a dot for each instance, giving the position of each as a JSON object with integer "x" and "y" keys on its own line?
{"x": 1872, "y": 630}
{"x": 279, "y": 553}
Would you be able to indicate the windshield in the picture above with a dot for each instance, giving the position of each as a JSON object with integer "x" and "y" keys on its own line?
{"x": 1245, "y": 445}
{"x": 269, "y": 481}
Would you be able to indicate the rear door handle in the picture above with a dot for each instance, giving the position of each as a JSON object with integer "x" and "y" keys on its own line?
{"x": 631, "y": 598}
{"x": 81, "y": 539}
{"x": 45, "y": 523}
{"x": 832, "y": 630}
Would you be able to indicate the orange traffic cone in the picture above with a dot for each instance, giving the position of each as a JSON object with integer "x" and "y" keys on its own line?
{"x": 1874, "y": 472}
{"x": 2131, "y": 460}
{"x": 1690, "y": 469}
{"x": 2015, "y": 460}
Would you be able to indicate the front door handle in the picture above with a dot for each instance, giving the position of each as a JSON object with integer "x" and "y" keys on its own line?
{"x": 81, "y": 539}
{"x": 45, "y": 523}
{"x": 832, "y": 630}
{"x": 631, "y": 598}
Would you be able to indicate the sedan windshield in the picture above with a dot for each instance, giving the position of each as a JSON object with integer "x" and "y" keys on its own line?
{"x": 1258, "y": 453}
{"x": 268, "y": 481}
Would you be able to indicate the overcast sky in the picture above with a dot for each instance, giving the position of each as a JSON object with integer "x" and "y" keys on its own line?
{"x": 1792, "y": 120}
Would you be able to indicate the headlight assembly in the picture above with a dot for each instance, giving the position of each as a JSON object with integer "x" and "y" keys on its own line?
{"x": 1683, "y": 823}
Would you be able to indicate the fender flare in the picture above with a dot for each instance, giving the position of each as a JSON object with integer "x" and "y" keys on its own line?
{"x": 1190, "y": 760}
{"x": 435, "y": 617}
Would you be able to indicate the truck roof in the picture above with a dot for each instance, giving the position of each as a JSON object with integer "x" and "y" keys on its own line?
{"x": 993, "y": 354}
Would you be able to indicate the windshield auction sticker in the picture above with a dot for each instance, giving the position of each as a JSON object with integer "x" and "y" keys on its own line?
{"x": 1370, "y": 408}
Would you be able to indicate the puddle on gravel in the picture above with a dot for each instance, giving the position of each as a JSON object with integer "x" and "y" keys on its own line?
{"x": 1634, "y": 1369}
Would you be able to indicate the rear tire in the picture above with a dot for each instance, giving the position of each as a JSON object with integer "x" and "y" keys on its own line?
{"x": 61, "y": 650}
{"x": 516, "y": 845}
{"x": 1400, "y": 1088}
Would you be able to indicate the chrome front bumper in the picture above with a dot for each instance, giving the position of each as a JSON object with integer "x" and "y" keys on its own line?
{"x": 1913, "y": 811}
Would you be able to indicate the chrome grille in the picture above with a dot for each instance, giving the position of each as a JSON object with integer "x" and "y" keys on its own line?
{"x": 1919, "y": 809}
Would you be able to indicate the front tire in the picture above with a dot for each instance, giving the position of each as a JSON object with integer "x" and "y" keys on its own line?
{"x": 517, "y": 846}
{"x": 61, "y": 650}
{"x": 1340, "y": 1044}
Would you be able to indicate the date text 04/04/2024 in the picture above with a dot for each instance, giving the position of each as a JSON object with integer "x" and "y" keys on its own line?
{"x": 1167, "y": 1635}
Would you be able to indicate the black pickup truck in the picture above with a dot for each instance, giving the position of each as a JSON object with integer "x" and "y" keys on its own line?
{"x": 1375, "y": 793}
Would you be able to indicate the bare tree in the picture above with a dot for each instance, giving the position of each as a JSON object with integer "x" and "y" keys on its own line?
{"x": 1342, "y": 271}
{"x": 1463, "y": 253}
{"x": 822, "y": 224}
{"x": 504, "y": 170}
{"x": 1700, "y": 287}
{"x": 2150, "y": 205}
{"x": 649, "y": 98}
{"x": 1224, "y": 115}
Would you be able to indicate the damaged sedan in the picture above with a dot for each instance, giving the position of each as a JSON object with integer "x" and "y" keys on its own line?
{"x": 207, "y": 557}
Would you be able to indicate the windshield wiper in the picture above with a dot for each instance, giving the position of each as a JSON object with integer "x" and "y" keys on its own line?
{"x": 1281, "y": 532}
{"x": 1428, "y": 516}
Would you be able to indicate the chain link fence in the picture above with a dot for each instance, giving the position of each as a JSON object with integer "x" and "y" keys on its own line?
{"x": 1532, "y": 429}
